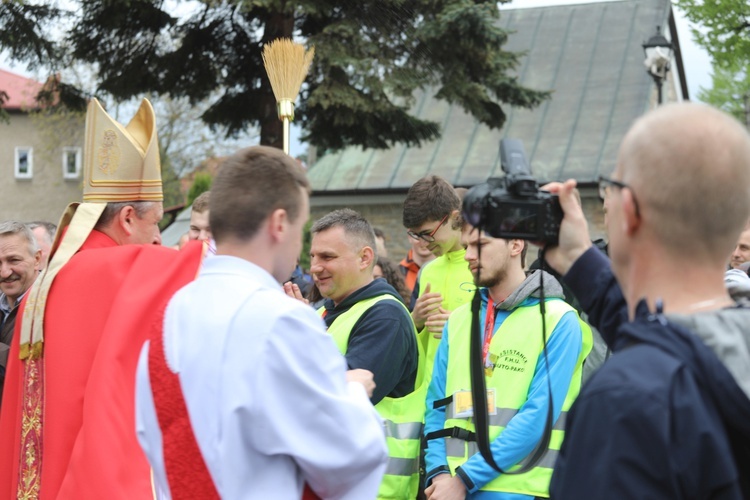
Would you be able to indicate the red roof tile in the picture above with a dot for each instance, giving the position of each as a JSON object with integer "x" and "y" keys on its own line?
{"x": 21, "y": 91}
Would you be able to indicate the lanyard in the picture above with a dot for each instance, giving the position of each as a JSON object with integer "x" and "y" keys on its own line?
{"x": 489, "y": 325}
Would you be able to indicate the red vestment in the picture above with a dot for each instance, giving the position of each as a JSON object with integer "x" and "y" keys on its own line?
{"x": 89, "y": 445}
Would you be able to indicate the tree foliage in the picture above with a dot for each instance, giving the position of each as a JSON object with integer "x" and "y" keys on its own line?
{"x": 201, "y": 183}
{"x": 726, "y": 38}
{"x": 371, "y": 56}
{"x": 170, "y": 181}
{"x": 23, "y": 34}
{"x": 304, "y": 255}
{"x": 185, "y": 139}
{"x": 727, "y": 29}
{"x": 3, "y": 114}
{"x": 730, "y": 92}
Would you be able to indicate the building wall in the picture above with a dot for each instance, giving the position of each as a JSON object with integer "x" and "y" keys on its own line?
{"x": 47, "y": 193}
{"x": 384, "y": 211}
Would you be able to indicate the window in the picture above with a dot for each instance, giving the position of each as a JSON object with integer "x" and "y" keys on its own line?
{"x": 24, "y": 163}
{"x": 71, "y": 163}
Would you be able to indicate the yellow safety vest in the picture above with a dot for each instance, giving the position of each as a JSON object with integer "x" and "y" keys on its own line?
{"x": 448, "y": 275}
{"x": 514, "y": 351}
{"x": 403, "y": 417}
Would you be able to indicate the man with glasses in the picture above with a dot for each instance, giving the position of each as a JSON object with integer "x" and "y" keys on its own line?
{"x": 668, "y": 415}
{"x": 432, "y": 212}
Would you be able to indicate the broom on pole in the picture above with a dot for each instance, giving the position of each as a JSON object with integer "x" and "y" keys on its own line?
{"x": 287, "y": 64}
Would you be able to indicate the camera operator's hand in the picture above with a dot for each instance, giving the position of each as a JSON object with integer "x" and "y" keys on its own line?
{"x": 436, "y": 322}
{"x": 426, "y": 305}
{"x": 574, "y": 231}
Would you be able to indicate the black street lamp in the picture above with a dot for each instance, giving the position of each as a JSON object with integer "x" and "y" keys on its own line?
{"x": 658, "y": 54}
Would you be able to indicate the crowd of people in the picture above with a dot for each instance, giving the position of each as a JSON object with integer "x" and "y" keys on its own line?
{"x": 132, "y": 370}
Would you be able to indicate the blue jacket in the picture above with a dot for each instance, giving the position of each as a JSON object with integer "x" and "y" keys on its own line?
{"x": 663, "y": 418}
{"x": 524, "y": 431}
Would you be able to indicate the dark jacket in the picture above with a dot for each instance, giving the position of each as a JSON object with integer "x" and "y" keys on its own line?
{"x": 664, "y": 417}
{"x": 6, "y": 336}
{"x": 382, "y": 340}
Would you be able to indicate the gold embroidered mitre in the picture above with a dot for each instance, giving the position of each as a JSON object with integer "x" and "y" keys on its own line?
{"x": 121, "y": 163}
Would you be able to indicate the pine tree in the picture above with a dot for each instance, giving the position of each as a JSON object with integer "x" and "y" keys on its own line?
{"x": 371, "y": 56}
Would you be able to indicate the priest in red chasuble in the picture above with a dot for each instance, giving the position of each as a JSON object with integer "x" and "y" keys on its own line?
{"x": 67, "y": 423}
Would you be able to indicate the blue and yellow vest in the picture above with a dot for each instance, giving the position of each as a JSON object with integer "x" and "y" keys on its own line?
{"x": 514, "y": 351}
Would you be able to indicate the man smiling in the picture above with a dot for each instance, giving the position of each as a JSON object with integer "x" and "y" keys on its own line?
{"x": 373, "y": 330}
{"x": 20, "y": 261}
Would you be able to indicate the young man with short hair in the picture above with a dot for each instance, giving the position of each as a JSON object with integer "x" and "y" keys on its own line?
{"x": 432, "y": 213}
{"x": 518, "y": 374}
{"x": 243, "y": 394}
{"x": 200, "y": 228}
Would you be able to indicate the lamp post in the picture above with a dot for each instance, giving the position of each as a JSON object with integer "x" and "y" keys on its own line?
{"x": 658, "y": 54}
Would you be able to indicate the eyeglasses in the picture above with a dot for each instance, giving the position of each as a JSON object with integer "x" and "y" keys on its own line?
{"x": 424, "y": 235}
{"x": 605, "y": 183}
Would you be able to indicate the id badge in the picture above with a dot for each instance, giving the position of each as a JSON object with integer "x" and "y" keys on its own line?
{"x": 463, "y": 406}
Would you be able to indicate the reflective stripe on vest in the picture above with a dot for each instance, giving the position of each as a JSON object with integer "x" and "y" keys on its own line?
{"x": 516, "y": 351}
{"x": 401, "y": 467}
{"x": 455, "y": 447}
{"x": 407, "y": 430}
{"x": 403, "y": 418}
{"x": 503, "y": 415}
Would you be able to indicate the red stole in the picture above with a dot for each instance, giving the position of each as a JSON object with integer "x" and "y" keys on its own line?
{"x": 187, "y": 473}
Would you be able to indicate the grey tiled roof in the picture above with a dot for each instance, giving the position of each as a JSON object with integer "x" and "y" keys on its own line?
{"x": 589, "y": 55}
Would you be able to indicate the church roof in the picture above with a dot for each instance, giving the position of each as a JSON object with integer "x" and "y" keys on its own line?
{"x": 588, "y": 55}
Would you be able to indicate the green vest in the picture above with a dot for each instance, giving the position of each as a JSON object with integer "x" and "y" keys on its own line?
{"x": 514, "y": 351}
{"x": 448, "y": 275}
{"x": 403, "y": 417}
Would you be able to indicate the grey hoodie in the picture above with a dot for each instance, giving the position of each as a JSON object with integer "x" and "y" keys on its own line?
{"x": 531, "y": 287}
{"x": 727, "y": 333}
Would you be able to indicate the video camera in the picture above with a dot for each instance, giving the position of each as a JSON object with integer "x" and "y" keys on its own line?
{"x": 513, "y": 207}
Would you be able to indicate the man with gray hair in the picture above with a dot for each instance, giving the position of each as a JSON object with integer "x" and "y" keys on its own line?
{"x": 44, "y": 232}
{"x": 372, "y": 328}
{"x": 83, "y": 321}
{"x": 20, "y": 261}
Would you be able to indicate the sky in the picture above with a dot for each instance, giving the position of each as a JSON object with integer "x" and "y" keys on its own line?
{"x": 696, "y": 61}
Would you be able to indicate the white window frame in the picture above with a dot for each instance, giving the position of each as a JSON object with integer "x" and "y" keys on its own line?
{"x": 66, "y": 152}
{"x": 30, "y": 162}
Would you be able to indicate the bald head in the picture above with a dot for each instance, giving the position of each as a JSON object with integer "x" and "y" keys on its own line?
{"x": 689, "y": 167}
